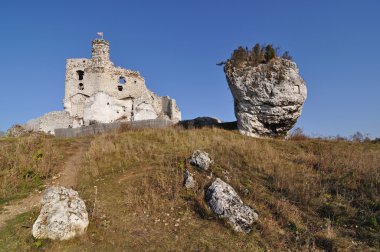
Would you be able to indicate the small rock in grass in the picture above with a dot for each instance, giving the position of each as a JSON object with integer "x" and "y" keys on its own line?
{"x": 201, "y": 160}
{"x": 189, "y": 180}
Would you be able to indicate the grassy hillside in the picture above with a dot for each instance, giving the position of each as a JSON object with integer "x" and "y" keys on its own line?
{"x": 309, "y": 194}
{"x": 27, "y": 162}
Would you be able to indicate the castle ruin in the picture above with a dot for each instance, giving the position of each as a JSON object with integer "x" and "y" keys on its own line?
{"x": 97, "y": 91}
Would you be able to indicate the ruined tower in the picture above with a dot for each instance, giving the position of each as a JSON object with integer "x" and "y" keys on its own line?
{"x": 100, "y": 52}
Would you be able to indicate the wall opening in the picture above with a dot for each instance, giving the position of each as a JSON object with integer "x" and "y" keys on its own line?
{"x": 120, "y": 88}
{"x": 80, "y": 74}
{"x": 122, "y": 80}
{"x": 80, "y": 86}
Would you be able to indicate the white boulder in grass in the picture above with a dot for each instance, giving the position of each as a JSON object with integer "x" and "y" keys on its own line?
{"x": 224, "y": 202}
{"x": 201, "y": 160}
{"x": 63, "y": 215}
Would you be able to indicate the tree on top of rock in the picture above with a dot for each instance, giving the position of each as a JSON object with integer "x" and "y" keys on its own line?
{"x": 270, "y": 53}
{"x": 260, "y": 54}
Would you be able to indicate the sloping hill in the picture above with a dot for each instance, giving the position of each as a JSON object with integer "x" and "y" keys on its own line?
{"x": 309, "y": 194}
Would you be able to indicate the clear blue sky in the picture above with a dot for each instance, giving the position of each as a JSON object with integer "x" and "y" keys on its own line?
{"x": 176, "y": 45}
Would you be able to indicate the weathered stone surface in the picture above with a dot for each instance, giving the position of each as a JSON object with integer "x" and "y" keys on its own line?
{"x": 189, "y": 181}
{"x": 268, "y": 98}
{"x": 224, "y": 202}
{"x": 201, "y": 160}
{"x": 102, "y": 108}
{"x": 63, "y": 215}
{"x": 50, "y": 121}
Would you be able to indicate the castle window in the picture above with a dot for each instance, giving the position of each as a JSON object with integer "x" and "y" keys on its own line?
{"x": 122, "y": 81}
{"x": 80, "y": 74}
{"x": 120, "y": 87}
{"x": 80, "y": 86}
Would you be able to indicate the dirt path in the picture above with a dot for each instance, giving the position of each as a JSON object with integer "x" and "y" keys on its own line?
{"x": 67, "y": 178}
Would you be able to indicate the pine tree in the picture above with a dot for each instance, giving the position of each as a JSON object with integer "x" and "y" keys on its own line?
{"x": 270, "y": 53}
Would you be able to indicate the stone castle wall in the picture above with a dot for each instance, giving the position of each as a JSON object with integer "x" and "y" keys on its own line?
{"x": 98, "y": 91}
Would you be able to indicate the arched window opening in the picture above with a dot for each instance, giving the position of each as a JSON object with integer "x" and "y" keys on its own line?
{"x": 80, "y": 74}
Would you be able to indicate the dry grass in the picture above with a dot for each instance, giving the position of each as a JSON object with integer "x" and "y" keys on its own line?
{"x": 26, "y": 162}
{"x": 310, "y": 194}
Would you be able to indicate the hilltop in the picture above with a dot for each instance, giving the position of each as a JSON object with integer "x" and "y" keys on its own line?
{"x": 309, "y": 193}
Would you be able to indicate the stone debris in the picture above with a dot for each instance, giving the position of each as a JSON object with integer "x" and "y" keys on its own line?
{"x": 63, "y": 215}
{"x": 224, "y": 202}
{"x": 268, "y": 98}
{"x": 17, "y": 131}
{"x": 201, "y": 160}
{"x": 189, "y": 180}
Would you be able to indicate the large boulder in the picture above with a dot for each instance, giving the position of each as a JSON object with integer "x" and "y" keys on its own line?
{"x": 201, "y": 160}
{"x": 224, "y": 202}
{"x": 63, "y": 215}
{"x": 268, "y": 97}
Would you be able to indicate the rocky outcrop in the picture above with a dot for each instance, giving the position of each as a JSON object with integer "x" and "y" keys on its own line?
{"x": 224, "y": 202}
{"x": 63, "y": 215}
{"x": 268, "y": 97}
{"x": 201, "y": 160}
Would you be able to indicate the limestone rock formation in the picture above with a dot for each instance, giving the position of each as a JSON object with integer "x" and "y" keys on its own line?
{"x": 63, "y": 215}
{"x": 268, "y": 98}
{"x": 189, "y": 181}
{"x": 224, "y": 201}
{"x": 201, "y": 160}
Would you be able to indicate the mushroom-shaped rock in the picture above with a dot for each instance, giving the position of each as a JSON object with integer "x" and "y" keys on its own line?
{"x": 201, "y": 160}
{"x": 224, "y": 202}
{"x": 268, "y": 97}
{"x": 63, "y": 215}
{"x": 189, "y": 180}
